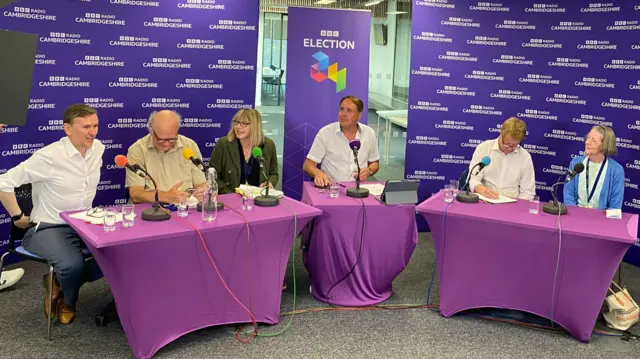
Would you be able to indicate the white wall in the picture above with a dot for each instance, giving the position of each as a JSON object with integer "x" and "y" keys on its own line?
{"x": 403, "y": 53}
{"x": 381, "y": 59}
{"x": 258, "y": 101}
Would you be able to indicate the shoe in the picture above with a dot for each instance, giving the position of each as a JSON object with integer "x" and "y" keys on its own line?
{"x": 284, "y": 287}
{"x": 66, "y": 314}
{"x": 10, "y": 277}
{"x": 55, "y": 298}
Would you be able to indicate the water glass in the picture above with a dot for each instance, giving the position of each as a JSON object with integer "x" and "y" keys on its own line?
{"x": 247, "y": 204}
{"x": 183, "y": 205}
{"x": 128, "y": 215}
{"x": 334, "y": 189}
{"x": 448, "y": 193}
{"x": 109, "y": 220}
{"x": 534, "y": 205}
{"x": 455, "y": 184}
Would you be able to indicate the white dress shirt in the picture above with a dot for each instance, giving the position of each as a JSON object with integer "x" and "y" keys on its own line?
{"x": 331, "y": 150}
{"x": 593, "y": 169}
{"x": 62, "y": 180}
{"x": 512, "y": 175}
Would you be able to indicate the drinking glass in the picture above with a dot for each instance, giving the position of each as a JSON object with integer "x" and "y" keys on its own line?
{"x": 183, "y": 205}
{"x": 534, "y": 205}
{"x": 128, "y": 215}
{"x": 334, "y": 189}
{"x": 455, "y": 184}
{"x": 448, "y": 193}
{"x": 248, "y": 203}
{"x": 109, "y": 220}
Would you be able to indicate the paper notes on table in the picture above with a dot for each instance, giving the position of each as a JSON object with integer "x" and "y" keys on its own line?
{"x": 614, "y": 213}
{"x": 95, "y": 218}
{"x": 259, "y": 191}
{"x": 375, "y": 189}
{"x": 501, "y": 200}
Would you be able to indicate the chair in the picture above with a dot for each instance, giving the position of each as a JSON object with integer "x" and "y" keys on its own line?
{"x": 23, "y": 195}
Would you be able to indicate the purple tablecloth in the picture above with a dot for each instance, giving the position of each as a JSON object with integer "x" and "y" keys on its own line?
{"x": 334, "y": 242}
{"x": 501, "y": 256}
{"x": 164, "y": 284}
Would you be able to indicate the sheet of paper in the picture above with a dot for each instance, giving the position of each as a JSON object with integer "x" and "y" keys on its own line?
{"x": 375, "y": 189}
{"x": 94, "y": 218}
{"x": 614, "y": 213}
{"x": 258, "y": 191}
{"x": 502, "y": 199}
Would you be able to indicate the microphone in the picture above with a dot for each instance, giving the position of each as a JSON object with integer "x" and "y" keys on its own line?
{"x": 555, "y": 207}
{"x": 264, "y": 200}
{"x": 155, "y": 213}
{"x": 189, "y": 155}
{"x": 357, "y": 192}
{"x": 122, "y": 162}
{"x": 468, "y": 197}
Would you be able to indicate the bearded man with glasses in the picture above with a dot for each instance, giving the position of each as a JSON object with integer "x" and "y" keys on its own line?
{"x": 160, "y": 153}
{"x": 511, "y": 172}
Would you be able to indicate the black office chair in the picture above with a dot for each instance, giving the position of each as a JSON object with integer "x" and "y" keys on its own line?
{"x": 23, "y": 195}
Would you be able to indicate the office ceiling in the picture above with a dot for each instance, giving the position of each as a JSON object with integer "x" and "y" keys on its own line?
{"x": 379, "y": 9}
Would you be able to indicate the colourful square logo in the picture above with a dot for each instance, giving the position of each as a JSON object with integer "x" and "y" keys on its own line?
{"x": 321, "y": 71}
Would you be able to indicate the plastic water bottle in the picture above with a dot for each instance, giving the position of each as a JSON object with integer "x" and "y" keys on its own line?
{"x": 210, "y": 198}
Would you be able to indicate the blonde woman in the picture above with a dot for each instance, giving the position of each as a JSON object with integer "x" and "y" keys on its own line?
{"x": 601, "y": 184}
{"x": 232, "y": 155}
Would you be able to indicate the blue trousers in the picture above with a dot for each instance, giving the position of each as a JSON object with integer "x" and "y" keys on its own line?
{"x": 61, "y": 245}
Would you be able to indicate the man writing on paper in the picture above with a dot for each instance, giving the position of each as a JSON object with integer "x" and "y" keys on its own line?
{"x": 511, "y": 171}
{"x": 64, "y": 177}
{"x": 331, "y": 148}
{"x": 160, "y": 153}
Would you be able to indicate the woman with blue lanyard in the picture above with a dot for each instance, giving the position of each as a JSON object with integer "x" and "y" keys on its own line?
{"x": 601, "y": 184}
{"x": 232, "y": 155}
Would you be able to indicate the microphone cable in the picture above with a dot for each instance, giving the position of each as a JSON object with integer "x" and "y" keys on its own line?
{"x": 224, "y": 283}
{"x": 439, "y": 248}
{"x": 364, "y": 216}
{"x": 555, "y": 275}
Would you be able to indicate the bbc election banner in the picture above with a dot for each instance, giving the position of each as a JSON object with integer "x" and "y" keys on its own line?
{"x": 562, "y": 67}
{"x": 328, "y": 58}
{"x": 127, "y": 58}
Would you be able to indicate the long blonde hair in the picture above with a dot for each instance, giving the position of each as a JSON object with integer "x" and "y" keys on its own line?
{"x": 255, "y": 126}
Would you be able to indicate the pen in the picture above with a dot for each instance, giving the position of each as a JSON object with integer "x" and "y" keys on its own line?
{"x": 341, "y": 185}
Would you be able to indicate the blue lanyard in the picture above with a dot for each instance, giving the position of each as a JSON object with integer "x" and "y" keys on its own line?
{"x": 593, "y": 190}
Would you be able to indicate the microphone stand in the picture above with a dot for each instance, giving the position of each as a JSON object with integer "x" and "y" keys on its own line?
{"x": 357, "y": 192}
{"x": 265, "y": 200}
{"x": 155, "y": 213}
{"x": 466, "y": 196}
{"x": 556, "y": 207}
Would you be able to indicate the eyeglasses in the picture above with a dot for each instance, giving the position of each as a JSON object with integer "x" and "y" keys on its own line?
{"x": 164, "y": 140}
{"x": 96, "y": 212}
{"x": 241, "y": 124}
{"x": 509, "y": 145}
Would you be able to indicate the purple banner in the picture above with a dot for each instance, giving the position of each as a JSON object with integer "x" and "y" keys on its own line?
{"x": 128, "y": 58}
{"x": 561, "y": 67}
{"x": 328, "y": 58}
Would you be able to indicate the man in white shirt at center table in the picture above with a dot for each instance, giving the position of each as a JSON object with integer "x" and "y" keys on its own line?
{"x": 64, "y": 177}
{"x": 331, "y": 148}
{"x": 510, "y": 172}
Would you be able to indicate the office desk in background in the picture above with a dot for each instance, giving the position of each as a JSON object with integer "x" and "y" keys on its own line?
{"x": 500, "y": 256}
{"x": 164, "y": 284}
{"x": 332, "y": 243}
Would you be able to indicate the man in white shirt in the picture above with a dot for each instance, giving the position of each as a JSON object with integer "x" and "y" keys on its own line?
{"x": 331, "y": 149}
{"x": 64, "y": 177}
{"x": 511, "y": 171}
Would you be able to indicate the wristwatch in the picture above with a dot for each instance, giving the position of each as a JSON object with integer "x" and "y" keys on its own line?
{"x": 17, "y": 217}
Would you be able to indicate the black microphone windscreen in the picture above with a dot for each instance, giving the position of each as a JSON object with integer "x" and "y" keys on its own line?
{"x": 578, "y": 168}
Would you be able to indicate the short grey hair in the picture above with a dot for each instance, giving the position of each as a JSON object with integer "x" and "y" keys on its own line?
{"x": 609, "y": 147}
{"x": 152, "y": 116}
